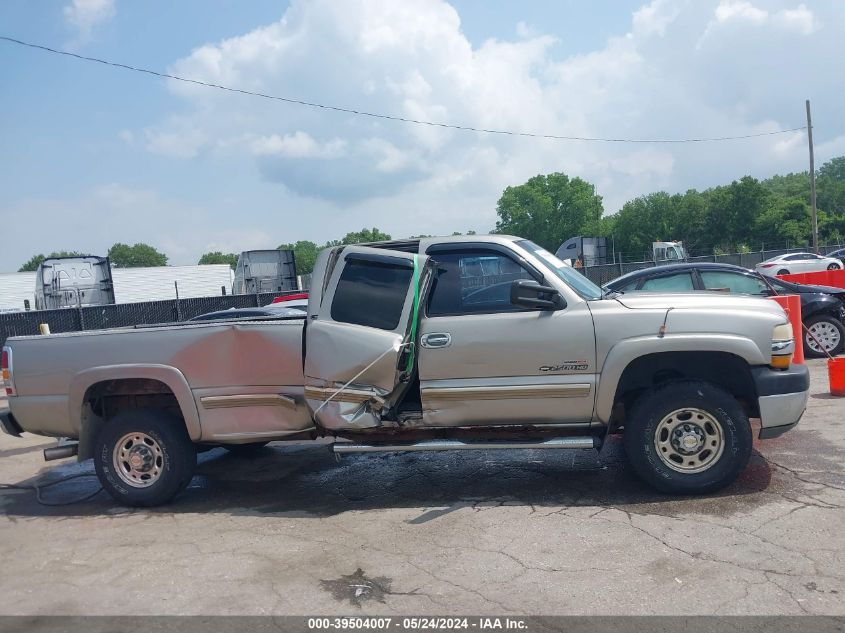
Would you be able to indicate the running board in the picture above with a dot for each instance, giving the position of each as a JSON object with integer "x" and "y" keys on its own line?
{"x": 585, "y": 442}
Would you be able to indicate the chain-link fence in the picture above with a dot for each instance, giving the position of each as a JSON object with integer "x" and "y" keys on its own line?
{"x": 608, "y": 272}
{"x": 125, "y": 314}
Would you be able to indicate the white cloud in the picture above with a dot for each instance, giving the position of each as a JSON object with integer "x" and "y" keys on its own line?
{"x": 740, "y": 10}
{"x": 297, "y": 145}
{"x": 127, "y": 136}
{"x": 741, "y": 13}
{"x": 800, "y": 19}
{"x": 654, "y": 18}
{"x": 689, "y": 69}
{"x": 179, "y": 138}
{"x": 85, "y": 15}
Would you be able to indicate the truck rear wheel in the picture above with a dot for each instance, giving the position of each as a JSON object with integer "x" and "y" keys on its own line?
{"x": 687, "y": 437}
{"x": 144, "y": 457}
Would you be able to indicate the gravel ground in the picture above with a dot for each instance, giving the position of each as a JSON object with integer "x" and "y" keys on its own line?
{"x": 292, "y": 531}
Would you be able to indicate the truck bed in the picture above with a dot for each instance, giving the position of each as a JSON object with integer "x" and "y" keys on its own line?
{"x": 216, "y": 359}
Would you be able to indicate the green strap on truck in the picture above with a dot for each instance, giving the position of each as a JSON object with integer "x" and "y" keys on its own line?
{"x": 415, "y": 315}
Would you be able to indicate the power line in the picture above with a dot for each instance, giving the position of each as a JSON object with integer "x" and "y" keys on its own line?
{"x": 465, "y": 128}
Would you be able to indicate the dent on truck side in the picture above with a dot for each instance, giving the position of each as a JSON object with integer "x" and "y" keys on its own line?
{"x": 623, "y": 353}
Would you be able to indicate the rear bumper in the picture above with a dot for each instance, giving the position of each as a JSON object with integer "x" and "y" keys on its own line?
{"x": 8, "y": 422}
{"x": 782, "y": 398}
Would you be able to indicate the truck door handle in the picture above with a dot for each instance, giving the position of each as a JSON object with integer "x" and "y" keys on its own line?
{"x": 436, "y": 339}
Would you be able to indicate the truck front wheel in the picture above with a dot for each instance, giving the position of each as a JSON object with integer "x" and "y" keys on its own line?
{"x": 144, "y": 457}
{"x": 687, "y": 437}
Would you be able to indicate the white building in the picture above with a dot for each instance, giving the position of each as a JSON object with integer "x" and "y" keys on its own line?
{"x": 132, "y": 285}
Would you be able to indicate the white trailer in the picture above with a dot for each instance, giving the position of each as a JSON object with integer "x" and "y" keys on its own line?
{"x": 132, "y": 285}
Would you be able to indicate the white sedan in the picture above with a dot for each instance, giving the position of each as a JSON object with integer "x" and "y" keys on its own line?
{"x": 797, "y": 263}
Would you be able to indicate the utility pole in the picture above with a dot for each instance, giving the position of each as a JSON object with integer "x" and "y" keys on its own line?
{"x": 812, "y": 182}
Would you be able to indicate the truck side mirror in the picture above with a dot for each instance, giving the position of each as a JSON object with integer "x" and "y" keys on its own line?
{"x": 527, "y": 293}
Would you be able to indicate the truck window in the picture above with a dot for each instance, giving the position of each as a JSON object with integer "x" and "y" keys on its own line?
{"x": 681, "y": 282}
{"x": 371, "y": 294}
{"x": 474, "y": 282}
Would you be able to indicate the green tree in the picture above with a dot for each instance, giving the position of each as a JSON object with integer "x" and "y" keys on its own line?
{"x": 549, "y": 209}
{"x": 139, "y": 255}
{"x": 218, "y": 257}
{"x": 656, "y": 217}
{"x": 304, "y": 254}
{"x": 34, "y": 262}
{"x": 830, "y": 186}
{"x": 746, "y": 201}
{"x": 365, "y": 235}
{"x": 783, "y": 221}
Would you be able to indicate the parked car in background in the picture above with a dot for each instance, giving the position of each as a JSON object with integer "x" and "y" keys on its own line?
{"x": 267, "y": 312}
{"x": 296, "y": 299}
{"x": 798, "y": 263}
{"x": 838, "y": 254}
{"x": 822, "y": 307}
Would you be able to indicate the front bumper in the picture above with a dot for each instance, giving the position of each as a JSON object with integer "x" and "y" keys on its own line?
{"x": 8, "y": 422}
{"x": 782, "y": 398}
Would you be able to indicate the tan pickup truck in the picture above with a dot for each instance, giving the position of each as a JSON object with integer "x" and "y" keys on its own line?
{"x": 462, "y": 343}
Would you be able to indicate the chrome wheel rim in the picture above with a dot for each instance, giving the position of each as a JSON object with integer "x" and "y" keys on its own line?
{"x": 689, "y": 440}
{"x": 826, "y": 333}
{"x": 138, "y": 460}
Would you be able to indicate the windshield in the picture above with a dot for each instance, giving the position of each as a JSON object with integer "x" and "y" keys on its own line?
{"x": 571, "y": 277}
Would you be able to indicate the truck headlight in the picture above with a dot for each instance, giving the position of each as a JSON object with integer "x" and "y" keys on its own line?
{"x": 783, "y": 346}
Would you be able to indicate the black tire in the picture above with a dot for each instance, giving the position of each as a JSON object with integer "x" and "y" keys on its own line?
{"x": 783, "y": 271}
{"x": 809, "y": 352}
{"x": 834, "y": 267}
{"x": 656, "y": 405}
{"x": 175, "y": 458}
{"x": 245, "y": 450}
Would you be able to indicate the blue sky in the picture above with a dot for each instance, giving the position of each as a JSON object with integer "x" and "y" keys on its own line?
{"x": 95, "y": 155}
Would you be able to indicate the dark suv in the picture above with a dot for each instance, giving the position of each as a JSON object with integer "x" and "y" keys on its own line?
{"x": 822, "y": 307}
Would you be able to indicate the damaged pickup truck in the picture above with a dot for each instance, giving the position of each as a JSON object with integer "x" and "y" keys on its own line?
{"x": 464, "y": 343}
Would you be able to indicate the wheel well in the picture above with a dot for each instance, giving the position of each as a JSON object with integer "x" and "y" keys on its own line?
{"x": 104, "y": 400}
{"x": 728, "y": 371}
{"x": 829, "y": 311}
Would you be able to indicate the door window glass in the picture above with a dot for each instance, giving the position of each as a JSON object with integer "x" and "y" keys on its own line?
{"x": 473, "y": 282}
{"x": 681, "y": 282}
{"x": 371, "y": 294}
{"x": 732, "y": 282}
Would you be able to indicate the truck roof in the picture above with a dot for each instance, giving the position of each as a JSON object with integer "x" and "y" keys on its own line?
{"x": 412, "y": 245}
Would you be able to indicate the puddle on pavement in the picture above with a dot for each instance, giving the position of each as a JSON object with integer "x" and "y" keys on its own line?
{"x": 357, "y": 588}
